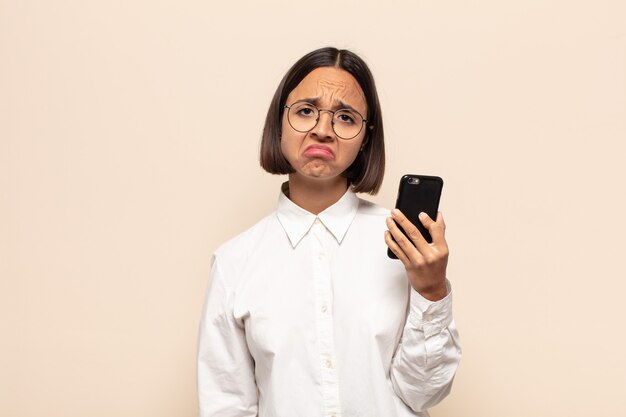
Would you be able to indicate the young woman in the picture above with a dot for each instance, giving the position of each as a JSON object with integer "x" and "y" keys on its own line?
{"x": 305, "y": 315}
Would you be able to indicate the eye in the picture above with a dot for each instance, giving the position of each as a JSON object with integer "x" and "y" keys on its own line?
{"x": 305, "y": 110}
{"x": 345, "y": 117}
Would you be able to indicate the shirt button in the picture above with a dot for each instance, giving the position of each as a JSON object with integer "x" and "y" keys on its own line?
{"x": 328, "y": 363}
{"x": 324, "y": 308}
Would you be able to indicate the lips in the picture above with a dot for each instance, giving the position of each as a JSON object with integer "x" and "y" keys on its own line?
{"x": 319, "y": 151}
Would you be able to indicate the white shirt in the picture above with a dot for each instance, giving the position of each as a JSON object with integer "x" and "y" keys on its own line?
{"x": 306, "y": 316}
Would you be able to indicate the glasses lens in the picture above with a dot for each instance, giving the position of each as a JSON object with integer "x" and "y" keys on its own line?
{"x": 303, "y": 116}
{"x": 347, "y": 123}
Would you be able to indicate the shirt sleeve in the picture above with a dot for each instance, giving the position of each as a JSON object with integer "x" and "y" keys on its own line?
{"x": 428, "y": 354}
{"x": 226, "y": 383}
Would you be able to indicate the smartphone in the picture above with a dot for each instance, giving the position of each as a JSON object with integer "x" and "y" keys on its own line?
{"x": 416, "y": 194}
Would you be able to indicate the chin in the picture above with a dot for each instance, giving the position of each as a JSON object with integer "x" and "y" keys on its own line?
{"x": 316, "y": 175}
{"x": 317, "y": 171}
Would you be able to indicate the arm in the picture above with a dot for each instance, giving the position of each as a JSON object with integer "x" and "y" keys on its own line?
{"x": 428, "y": 354}
{"x": 226, "y": 384}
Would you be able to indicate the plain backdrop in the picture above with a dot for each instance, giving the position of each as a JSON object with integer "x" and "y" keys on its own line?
{"x": 129, "y": 135}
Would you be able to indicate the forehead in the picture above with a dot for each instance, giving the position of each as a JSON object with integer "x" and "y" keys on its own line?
{"x": 330, "y": 85}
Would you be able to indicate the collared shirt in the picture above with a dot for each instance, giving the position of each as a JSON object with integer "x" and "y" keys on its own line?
{"x": 306, "y": 316}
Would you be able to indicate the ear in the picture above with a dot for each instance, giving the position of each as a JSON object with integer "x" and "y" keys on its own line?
{"x": 366, "y": 139}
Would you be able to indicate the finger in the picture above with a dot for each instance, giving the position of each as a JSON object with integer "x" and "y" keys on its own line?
{"x": 396, "y": 249}
{"x": 440, "y": 220}
{"x": 434, "y": 228}
{"x": 412, "y": 232}
{"x": 401, "y": 240}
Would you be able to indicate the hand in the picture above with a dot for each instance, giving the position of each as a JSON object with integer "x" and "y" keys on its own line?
{"x": 425, "y": 262}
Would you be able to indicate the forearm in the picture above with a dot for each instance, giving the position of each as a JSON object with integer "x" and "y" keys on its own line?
{"x": 428, "y": 355}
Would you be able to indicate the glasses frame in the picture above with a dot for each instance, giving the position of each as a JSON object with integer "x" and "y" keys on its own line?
{"x": 332, "y": 119}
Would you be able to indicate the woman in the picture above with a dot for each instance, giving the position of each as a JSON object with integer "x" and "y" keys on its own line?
{"x": 305, "y": 314}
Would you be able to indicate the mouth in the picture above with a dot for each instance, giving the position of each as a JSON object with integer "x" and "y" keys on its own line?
{"x": 319, "y": 151}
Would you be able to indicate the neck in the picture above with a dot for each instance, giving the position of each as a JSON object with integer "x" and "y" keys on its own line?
{"x": 316, "y": 196}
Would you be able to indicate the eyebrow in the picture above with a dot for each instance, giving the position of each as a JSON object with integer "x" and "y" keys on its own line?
{"x": 339, "y": 104}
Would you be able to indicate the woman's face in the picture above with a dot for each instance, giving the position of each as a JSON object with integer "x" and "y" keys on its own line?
{"x": 319, "y": 153}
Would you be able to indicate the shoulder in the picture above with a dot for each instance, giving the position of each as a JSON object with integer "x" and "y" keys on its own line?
{"x": 236, "y": 250}
{"x": 371, "y": 217}
{"x": 369, "y": 209}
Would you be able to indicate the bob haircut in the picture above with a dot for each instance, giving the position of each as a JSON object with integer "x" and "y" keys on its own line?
{"x": 367, "y": 171}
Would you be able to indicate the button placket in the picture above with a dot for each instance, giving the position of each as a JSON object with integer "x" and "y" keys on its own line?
{"x": 324, "y": 321}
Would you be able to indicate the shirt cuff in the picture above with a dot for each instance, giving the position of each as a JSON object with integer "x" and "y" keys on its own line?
{"x": 430, "y": 316}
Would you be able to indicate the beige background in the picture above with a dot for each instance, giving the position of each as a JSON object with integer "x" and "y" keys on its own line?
{"x": 129, "y": 134}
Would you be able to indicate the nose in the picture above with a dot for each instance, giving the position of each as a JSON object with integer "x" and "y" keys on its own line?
{"x": 323, "y": 130}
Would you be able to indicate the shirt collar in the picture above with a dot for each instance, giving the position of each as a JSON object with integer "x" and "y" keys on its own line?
{"x": 296, "y": 221}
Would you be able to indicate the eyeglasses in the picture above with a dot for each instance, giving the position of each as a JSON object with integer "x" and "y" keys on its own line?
{"x": 304, "y": 116}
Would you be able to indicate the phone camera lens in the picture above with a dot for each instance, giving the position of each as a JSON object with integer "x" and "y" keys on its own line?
{"x": 414, "y": 181}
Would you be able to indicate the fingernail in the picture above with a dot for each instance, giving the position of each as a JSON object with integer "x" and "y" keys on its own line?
{"x": 423, "y": 216}
{"x": 395, "y": 212}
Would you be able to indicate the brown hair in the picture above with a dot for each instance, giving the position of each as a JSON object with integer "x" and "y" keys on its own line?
{"x": 367, "y": 171}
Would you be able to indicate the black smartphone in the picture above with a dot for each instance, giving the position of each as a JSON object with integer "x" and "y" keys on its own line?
{"x": 416, "y": 194}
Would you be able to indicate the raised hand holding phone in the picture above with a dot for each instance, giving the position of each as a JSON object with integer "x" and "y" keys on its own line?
{"x": 425, "y": 262}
